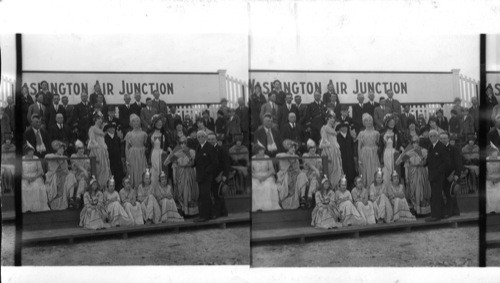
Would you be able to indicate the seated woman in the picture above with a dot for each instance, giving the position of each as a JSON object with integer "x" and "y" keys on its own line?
{"x": 360, "y": 198}
{"x": 116, "y": 214}
{"x": 292, "y": 182}
{"x": 239, "y": 161}
{"x": 34, "y": 194}
{"x": 397, "y": 197}
{"x": 325, "y": 214}
{"x": 128, "y": 197}
{"x": 349, "y": 215}
{"x": 166, "y": 201}
{"x": 493, "y": 182}
{"x": 93, "y": 215}
{"x": 81, "y": 170}
{"x": 470, "y": 153}
{"x": 264, "y": 189}
{"x": 8, "y": 159}
{"x": 59, "y": 181}
{"x": 378, "y": 196}
{"x": 151, "y": 211}
{"x": 313, "y": 167}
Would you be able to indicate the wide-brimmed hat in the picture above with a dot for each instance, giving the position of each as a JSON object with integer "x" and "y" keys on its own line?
{"x": 342, "y": 124}
{"x": 155, "y": 119}
{"x": 56, "y": 145}
{"x": 109, "y": 125}
{"x": 288, "y": 143}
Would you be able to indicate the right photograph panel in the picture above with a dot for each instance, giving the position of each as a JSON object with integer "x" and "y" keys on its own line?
{"x": 364, "y": 150}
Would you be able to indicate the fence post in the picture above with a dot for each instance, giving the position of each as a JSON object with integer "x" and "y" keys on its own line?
{"x": 455, "y": 80}
{"x": 222, "y": 84}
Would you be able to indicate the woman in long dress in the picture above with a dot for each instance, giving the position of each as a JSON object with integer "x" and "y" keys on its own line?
{"x": 264, "y": 188}
{"x": 34, "y": 194}
{"x": 378, "y": 196}
{"x": 135, "y": 151}
{"x": 81, "y": 170}
{"x": 349, "y": 215}
{"x": 185, "y": 186}
{"x": 360, "y": 196}
{"x": 313, "y": 168}
{"x": 493, "y": 182}
{"x": 291, "y": 181}
{"x": 128, "y": 197}
{"x": 157, "y": 144}
{"x": 325, "y": 214}
{"x": 331, "y": 149}
{"x": 390, "y": 144}
{"x": 397, "y": 197}
{"x": 59, "y": 181}
{"x": 99, "y": 149}
{"x": 93, "y": 214}
{"x": 166, "y": 201}
{"x": 367, "y": 150}
{"x": 419, "y": 189}
{"x": 116, "y": 214}
{"x": 151, "y": 211}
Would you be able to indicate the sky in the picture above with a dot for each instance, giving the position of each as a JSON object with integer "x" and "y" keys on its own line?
{"x": 493, "y": 52}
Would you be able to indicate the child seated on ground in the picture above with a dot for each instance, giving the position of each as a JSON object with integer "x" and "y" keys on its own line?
{"x": 166, "y": 201}
{"x": 325, "y": 214}
{"x": 149, "y": 205}
{"x": 93, "y": 215}
{"x": 128, "y": 197}
{"x": 378, "y": 196}
{"x": 360, "y": 198}
{"x": 397, "y": 197}
{"x": 349, "y": 215}
{"x": 117, "y": 216}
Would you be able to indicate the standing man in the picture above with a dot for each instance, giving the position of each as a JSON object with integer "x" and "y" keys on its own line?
{"x": 441, "y": 121}
{"x": 348, "y": 153}
{"x": 137, "y": 105}
{"x": 46, "y": 94}
{"x": 438, "y": 162}
{"x": 95, "y": 94}
{"x": 242, "y": 112}
{"x": 221, "y": 173}
{"x": 125, "y": 112}
{"x": 393, "y": 104}
{"x": 68, "y": 109}
{"x": 315, "y": 117}
{"x": 114, "y": 144}
{"x": 53, "y": 110}
{"x": 146, "y": 114}
{"x": 37, "y": 108}
{"x": 452, "y": 175}
{"x": 37, "y": 137}
{"x": 160, "y": 105}
{"x": 344, "y": 115}
{"x": 172, "y": 119}
{"x": 280, "y": 95}
{"x": 406, "y": 117}
{"x": 357, "y": 112}
{"x": 26, "y": 101}
{"x": 379, "y": 114}
{"x": 61, "y": 132}
{"x": 270, "y": 107}
{"x": 205, "y": 162}
{"x": 370, "y": 106}
{"x": 293, "y": 131}
{"x": 287, "y": 108}
{"x": 327, "y": 96}
{"x": 474, "y": 112}
{"x": 302, "y": 109}
{"x": 82, "y": 118}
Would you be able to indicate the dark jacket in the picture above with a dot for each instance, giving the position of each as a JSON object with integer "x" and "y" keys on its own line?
{"x": 438, "y": 162}
{"x": 50, "y": 114}
{"x": 296, "y": 134}
{"x": 315, "y": 115}
{"x": 124, "y": 114}
{"x": 224, "y": 162}
{"x": 261, "y": 136}
{"x": 29, "y": 136}
{"x": 65, "y": 134}
{"x": 283, "y": 114}
{"x": 205, "y": 163}
{"x": 242, "y": 113}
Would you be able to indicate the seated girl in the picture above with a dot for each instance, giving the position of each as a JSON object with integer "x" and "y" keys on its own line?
{"x": 292, "y": 182}
{"x": 34, "y": 194}
{"x": 166, "y": 201}
{"x": 93, "y": 215}
{"x": 117, "y": 216}
{"x": 378, "y": 196}
{"x": 325, "y": 214}
{"x": 151, "y": 211}
{"x": 128, "y": 197}
{"x": 81, "y": 169}
{"x": 397, "y": 197}
{"x": 349, "y": 215}
{"x": 360, "y": 197}
{"x": 312, "y": 169}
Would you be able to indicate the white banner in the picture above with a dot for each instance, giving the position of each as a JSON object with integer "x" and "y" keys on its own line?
{"x": 493, "y": 80}
{"x": 408, "y": 87}
{"x": 174, "y": 88}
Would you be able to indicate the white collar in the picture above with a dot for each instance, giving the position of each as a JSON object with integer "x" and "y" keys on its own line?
{"x": 111, "y": 135}
{"x": 344, "y": 135}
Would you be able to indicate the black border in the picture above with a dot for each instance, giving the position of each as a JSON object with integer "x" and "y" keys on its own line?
{"x": 483, "y": 130}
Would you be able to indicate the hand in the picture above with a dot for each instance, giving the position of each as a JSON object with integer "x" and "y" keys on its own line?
{"x": 224, "y": 178}
{"x": 455, "y": 178}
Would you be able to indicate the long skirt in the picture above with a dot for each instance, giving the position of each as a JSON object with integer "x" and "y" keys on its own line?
{"x": 134, "y": 212}
{"x": 265, "y": 195}
{"x": 334, "y": 158}
{"x": 102, "y": 165}
{"x": 349, "y": 215}
{"x": 151, "y": 209}
{"x": 187, "y": 190}
{"x": 156, "y": 166}
{"x": 117, "y": 216}
{"x": 169, "y": 211}
{"x": 137, "y": 160}
{"x": 366, "y": 211}
{"x": 60, "y": 187}
{"x": 419, "y": 189}
{"x": 325, "y": 217}
{"x": 370, "y": 162}
{"x": 383, "y": 209}
{"x": 388, "y": 165}
{"x": 93, "y": 217}
{"x": 402, "y": 211}
{"x": 290, "y": 189}
{"x": 34, "y": 196}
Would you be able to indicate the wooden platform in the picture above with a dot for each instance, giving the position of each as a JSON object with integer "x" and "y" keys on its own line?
{"x": 303, "y": 232}
{"x": 70, "y": 234}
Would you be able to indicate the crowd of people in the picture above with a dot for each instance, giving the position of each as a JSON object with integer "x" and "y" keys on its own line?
{"x": 493, "y": 159}
{"x": 306, "y": 155}
{"x": 145, "y": 152}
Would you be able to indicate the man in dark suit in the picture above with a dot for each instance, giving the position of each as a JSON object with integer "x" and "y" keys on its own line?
{"x": 288, "y": 107}
{"x": 68, "y": 109}
{"x": 221, "y": 173}
{"x": 369, "y": 107}
{"x": 270, "y": 107}
{"x": 327, "y": 96}
{"x": 172, "y": 119}
{"x": 82, "y": 118}
{"x": 137, "y": 105}
{"x": 344, "y": 115}
{"x": 441, "y": 121}
{"x": 46, "y": 94}
{"x": 160, "y": 105}
{"x": 357, "y": 112}
{"x": 302, "y": 109}
{"x": 26, "y": 101}
{"x": 114, "y": 144}
{"x": 280, "y": 95}
{"x": 348, "y": 152}
{"x": 54, "y": 109}
{"x": 438, "y": 162}
{"x": 61, "y": 132}
{"x": 269, "y": 137}
{"x": 474, "y": 112}
{"x": 379, "y": 114}
{"x": 452, "y": 175}
{"x": 111, "y": 117}
{"x": 293, "y": 131}
{"x": 37, "y": 137}
{"x": 146, "y": 115}
{"x": 406, "y": 117}
{"x": 392, "y": 104}
{"x": 242, "y": 112}
{"x": 205, "y": 162}
{"x": 315, "y": 117}
{"x": 124, "y": 114}
{"x": 97, "y": 92}
{"x": 37, "y": 108}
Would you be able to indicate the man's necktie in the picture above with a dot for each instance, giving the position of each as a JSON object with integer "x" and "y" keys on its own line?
{"x": 38, "y": 138}
{"x": 270, "y": 140}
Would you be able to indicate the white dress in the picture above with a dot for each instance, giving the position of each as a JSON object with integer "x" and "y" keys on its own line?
{"x": 388, "y": 158}
{"x": 34, "y": 194}
{"x": 156, "y": 159}
{"x": 264, "y": 193}
{"x": 492, "y": 188}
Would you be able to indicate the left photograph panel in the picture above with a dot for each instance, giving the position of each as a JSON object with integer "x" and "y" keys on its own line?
{"x": 135, "y": 149}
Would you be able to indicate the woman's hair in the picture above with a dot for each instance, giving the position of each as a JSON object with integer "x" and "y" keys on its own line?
{"x": 134, "y": 117}
{"x": 367, "y": 117}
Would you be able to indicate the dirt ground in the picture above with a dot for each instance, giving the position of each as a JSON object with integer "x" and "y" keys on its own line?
{"x": 438, "y": 247}
{"x": 188, "y": 247}
{"x": 493, "y": 257}
{"x": 8, "y": 236}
